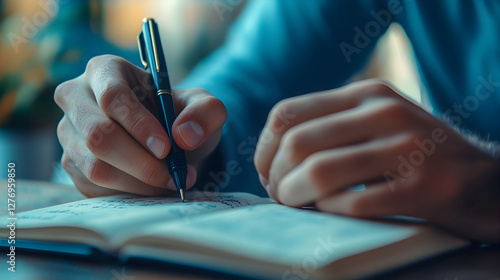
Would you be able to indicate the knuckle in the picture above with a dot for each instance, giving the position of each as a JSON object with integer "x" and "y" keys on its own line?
{"x": 118, "y": 61}
{"x": 61, "y": 126}
{"x": 217, "y": 105}
{"x": 257, "y": 161}
{"x": 138, "y": 123}
{"x": 317, "y": 171}
{"x": 60, "y": 93}
{"x": 96, "y": 62}
{"x": 99, "y": 172}
{"x": 217, "y": 109}
{"x": 98, "y": 136}
{"x": 262, "y": 162}
{"x": 62, "y": 133}
{"x": 109, "y": 98}
{"x": 279, "y": 117}
{"x": 66, "y": 163}
{"x": 295, "y": 144}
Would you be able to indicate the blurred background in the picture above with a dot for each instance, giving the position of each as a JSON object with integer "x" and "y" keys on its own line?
{"x": 45, "y": 42}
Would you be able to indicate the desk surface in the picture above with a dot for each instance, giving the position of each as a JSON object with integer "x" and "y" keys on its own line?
{"x": 470, "y": 263}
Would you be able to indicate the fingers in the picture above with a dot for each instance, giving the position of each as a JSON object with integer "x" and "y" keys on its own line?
{"x": 111, "y": 136}
{"x": 110, "y": 143}
{"x": 201, "y": 117}
{"x": 200, "y": 114}
{"x": 349, "y": 127}
{"x": 96, "y": 170}
{"x": 270, "y": 191}
{"x": 328, "y": 172}
{"x": 82, "y": 184}
{"x": 294, "y": 111}
{"x": 316, "y": 135}
{"x": 106, "y": 139}
{"x": 88, "y": 172}
{"x": 376, "y": 200}
{"x": 108, "y": 78}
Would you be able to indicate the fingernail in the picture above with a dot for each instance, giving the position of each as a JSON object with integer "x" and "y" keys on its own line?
{"x": 263, "y": 181}
{"x": 191, "y": 133}
{"x": 156, "y": 146}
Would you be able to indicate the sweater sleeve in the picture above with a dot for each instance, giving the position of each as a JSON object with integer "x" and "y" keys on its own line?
{"x": 275, "y": 50}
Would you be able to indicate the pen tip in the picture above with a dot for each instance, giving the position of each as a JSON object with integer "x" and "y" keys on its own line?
{"x": 180, "y": 182}
{"x": 181, "y": 191}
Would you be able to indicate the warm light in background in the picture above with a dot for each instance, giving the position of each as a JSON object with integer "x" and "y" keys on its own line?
{"x": 192, "y": 29}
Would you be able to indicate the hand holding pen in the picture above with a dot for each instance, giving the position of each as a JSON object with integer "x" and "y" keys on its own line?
{"x": 111, "y": 138}
{"x": 151, "y": 52}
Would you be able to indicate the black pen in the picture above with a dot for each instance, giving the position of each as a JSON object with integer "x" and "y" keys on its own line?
{"x": 152, "y": 56}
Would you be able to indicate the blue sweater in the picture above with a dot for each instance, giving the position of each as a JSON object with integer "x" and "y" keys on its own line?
{"x": 279, "y": 49}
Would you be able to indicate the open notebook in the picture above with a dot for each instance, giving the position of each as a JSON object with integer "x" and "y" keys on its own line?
{"x": 236, "y": 233}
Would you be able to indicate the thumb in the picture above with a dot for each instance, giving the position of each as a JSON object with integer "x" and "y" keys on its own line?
{"x": 201, "y": 116}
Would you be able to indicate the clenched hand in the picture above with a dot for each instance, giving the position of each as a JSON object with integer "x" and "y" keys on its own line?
{"x": 111, "y": 138}
{"x": 315, "y": 146}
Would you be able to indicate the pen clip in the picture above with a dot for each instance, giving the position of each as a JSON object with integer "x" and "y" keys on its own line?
{"x": 150, "y": 21}
{"x": 142, "y": 49}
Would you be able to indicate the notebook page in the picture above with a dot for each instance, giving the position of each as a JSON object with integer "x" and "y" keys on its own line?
{"x": 122, "y": 214}
{"x": 279, "y": 234}
{"x": 35, "y": 194}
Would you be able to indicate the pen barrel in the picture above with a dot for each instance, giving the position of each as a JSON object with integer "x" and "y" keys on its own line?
{"x": 176, "y": 162}
{"x": 176, "y": 158}
{"x": 152, "y": 57}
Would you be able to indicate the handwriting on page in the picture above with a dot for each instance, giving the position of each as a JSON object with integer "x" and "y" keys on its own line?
{"x": 125, "y": 207}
